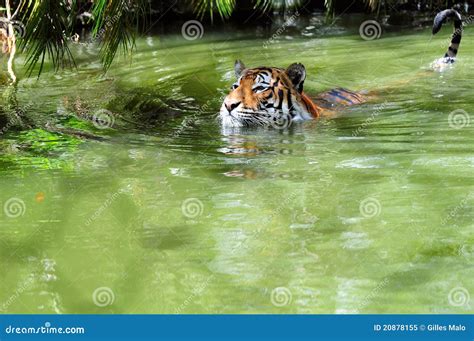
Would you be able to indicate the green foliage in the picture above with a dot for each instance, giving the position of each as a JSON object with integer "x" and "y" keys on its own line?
{"x": 48, "y": 24}
{"x": 40, "y": 141}
{"x": 36, "y": 148}
{"x": 223, "y": 7}
{"x": 115, "y": 26}
{"x": 267, "y": 5}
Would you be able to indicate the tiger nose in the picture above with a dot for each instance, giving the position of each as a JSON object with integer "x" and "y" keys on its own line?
{"x": 231, "y": 105}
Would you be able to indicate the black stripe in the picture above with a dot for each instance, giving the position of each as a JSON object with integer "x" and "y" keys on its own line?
{"x": 276, "y": 82}
{"x": 289, "y": 101}
{"x": 280, "y": 95}
{"x": 456, "y": 38}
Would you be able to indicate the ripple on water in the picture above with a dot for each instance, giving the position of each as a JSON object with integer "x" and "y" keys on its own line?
{"x": 355, "y": 240}
{"x": 365, "y": 162}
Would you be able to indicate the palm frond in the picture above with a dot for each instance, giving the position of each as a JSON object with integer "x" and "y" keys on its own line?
{"x": 266, "y": 5}
{"x": 115, "y": 26}
{"x": 48, "y": 24}
{"x": 223, "y": 7}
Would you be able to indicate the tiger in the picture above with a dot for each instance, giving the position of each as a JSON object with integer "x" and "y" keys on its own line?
{"x": 264, "y": 96}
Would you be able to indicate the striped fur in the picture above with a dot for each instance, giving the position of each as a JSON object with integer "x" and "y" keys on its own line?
{"x": 440, "y": 18}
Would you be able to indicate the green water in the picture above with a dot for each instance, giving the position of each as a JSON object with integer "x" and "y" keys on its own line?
{"x": 368, "y": 212}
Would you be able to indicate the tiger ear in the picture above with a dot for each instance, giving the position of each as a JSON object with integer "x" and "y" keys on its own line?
{"x": 239, "y": 67}
{"x": 297, "y": 74}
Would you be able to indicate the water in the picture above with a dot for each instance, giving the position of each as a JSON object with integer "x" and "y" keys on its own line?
{"x": 370, "y": 211}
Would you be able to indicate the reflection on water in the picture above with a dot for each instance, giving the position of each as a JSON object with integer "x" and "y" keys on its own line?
{"x": 370, "y": 211}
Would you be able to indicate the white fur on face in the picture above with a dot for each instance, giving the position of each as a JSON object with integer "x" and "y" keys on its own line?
{"x": 266, "y": 114}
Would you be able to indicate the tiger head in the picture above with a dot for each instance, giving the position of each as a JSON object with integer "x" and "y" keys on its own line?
{"x": 265, "y": 96}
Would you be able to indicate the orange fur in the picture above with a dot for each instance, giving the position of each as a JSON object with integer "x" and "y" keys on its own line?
{"x": 310, "y": 105}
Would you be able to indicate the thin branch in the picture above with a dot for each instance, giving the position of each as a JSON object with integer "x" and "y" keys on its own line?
{"x": 11, "y": 42}
{"x": 17, "y": 10}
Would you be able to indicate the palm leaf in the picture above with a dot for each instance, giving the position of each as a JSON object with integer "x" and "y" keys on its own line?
{"x": 266, "y": 5}
{"x": 48, "y": 24}
{"x": 223, "y": 7}
{"x": 115, "y": 26}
